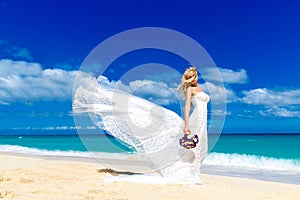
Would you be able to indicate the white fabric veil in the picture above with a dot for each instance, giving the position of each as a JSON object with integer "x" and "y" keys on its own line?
{"x": 152, "y": 130}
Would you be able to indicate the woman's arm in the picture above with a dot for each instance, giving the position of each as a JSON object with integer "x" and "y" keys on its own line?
{"x": 187, "y": 108}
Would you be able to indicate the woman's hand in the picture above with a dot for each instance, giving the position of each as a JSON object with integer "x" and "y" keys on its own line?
{"x": 187, "y": 130}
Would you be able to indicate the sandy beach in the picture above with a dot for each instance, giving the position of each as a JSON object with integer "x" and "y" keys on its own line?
{"x": 38, "y": 177}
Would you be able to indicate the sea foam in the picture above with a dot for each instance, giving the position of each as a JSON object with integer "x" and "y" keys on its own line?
{"x": 252, "y": 161}
{"x": 35, "y": 151}
{"x": 59, "y": 153}
{"x": 218, "y": 159}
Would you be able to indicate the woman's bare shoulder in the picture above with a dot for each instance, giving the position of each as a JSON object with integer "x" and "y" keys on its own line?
{"x": 199, "y": 89}
{"x": 196, "y": 89}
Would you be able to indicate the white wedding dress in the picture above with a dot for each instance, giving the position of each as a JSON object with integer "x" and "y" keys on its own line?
{"x": 152, "y": 130}
{"x": 187, "y": 168}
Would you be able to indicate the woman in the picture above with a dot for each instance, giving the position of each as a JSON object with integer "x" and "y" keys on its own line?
{"x": 190, "y": 88}
{"x": 154, "y": 135}
{"x": 187, "y": 168}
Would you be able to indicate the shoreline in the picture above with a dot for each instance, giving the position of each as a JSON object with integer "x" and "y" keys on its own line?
{"x": 132, "y": 165}
{"x": 41, "y": 177}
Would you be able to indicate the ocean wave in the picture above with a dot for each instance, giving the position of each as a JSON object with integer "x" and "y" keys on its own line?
{"x": 218, "y": 159}
{"x": 35, "y": 151}
{"x": 252, "y": 161}
{"x": 69, "y": 153}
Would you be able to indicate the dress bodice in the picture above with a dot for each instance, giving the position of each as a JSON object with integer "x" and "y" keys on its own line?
{"x": 200, "y": 97}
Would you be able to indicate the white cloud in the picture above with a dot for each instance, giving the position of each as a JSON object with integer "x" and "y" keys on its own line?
{"x": 62, "y": 128}
{"x": 279, "y": 103}
{"x": 279, "y": 112}
{"x": 228, "y": 76}
{"x": 91, "y": 127}
{"x": 22, "y": 68}
{"x": 267, "y": 97}
{"x": 27, "y": 82}
{"x": 162, "y": 94}
{"x": 156, "y": 92}
{"x": 57, "y": 128}
{"x": 219, "y": 93}
{"x": 221, "y": 112}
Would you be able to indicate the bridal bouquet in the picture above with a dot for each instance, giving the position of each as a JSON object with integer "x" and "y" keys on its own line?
{"x": 189, "y": 141}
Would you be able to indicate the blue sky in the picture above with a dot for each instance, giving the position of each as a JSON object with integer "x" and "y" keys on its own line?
{"x": 255, "y": 45}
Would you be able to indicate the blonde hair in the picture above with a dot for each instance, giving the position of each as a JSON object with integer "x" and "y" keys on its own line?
{"x": 185, "y": 80}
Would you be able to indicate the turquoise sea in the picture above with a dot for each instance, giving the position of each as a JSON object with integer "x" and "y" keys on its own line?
{"x": 272, "y": 157}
